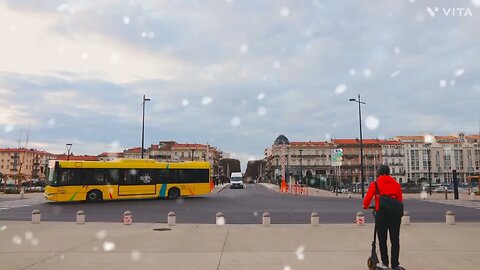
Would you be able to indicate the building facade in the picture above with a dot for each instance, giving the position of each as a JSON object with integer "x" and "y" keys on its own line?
{"x": 24, "y": 163}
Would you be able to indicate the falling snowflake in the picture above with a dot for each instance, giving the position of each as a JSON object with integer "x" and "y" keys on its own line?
{"x": 276, "y": 64}
{"x": 459, "y": 72}
{"x": 3, "y": 228}
{"x": 62, "y": 256}
{"x": 442, "y": 83}
{"x": 34, "y": 242}
{"x": 102, "y": 234}
{"x": 84, "y": 56}
{"x": 206, "y": 100}
{"x": 299, "y": 253}
{"x": 51, "y": 122}
{"x": 236, "y": 121}
{"x": 394, "y": 74}
{"x": 144, "y": 34}
{"x": 284, "y": 12}
{"x": 372, "y": 122}
{"x": 9, "y": 128}
{"x": 114, "y": 58}
{"x": 126, "y": 20}
{"x": 17, "y": 240}
{"x": 261, "y": 96}
{"x": 136, "y": 255}
{"x": 396, "y": 50}
{"x": 340, "y": 89}
{"x": 352, "y": 72}
{"x": 244, "y": 48}
{"x": 28, "y": 235}
{"x": 261, "y": 111}
{"x": 185, "y": 102}
{"x": 476, "y": 3}
{"x": 255, "y": 213}
{"x": 367, "y": 73}
{"x": 108, "y": 246}
{"x": 327, "y": 136}
{"x": 287, "y": 267}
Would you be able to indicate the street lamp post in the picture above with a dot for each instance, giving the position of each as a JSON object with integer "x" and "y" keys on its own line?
{"x": 301, "y": 169}
{"x": 69, "y": 147}
{"x": 427, "y": 145}
{"x": 193, "y": 152}
{"x": 143, "y": 122}
{"x": 360, "y": 102}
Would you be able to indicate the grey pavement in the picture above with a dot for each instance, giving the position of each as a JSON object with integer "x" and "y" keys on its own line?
{"x": 66, "y": 245}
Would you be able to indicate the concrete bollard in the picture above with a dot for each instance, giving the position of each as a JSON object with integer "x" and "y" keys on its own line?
{"x": 36, "y": 216}
{"x": 266, "y": 219}
{"x": 80, "y": 217}
{"x": 349, "y": 195}
{"x": 220, "y": 219}
{"x": 450, "y": 218}
{"x": 360, "y": 220}
{"x": 423, "y": 195}
{"x": 472, "y": 196}
{"x": 406, "y": 218}
{"x": 314, "y": 219}
{"x": 22, "y": 193}
{"x": 172, "y": 219}
{"x": 127, "y": 218}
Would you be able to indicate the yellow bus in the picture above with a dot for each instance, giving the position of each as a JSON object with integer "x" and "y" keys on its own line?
{"x": 125, "y": 179}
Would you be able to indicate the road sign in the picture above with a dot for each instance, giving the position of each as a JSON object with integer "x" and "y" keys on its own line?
{"x": 336, "y": 157}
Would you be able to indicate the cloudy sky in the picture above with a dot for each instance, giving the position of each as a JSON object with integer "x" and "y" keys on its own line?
{"x": 234, "y": 74}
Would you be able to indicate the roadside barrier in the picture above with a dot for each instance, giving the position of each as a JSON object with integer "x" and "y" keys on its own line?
{"x": 406, "y": 218}
{"x": 80, "y": 217}
{"x": 36, "y": 216}
{"x": 450, "y": 218}
{"x": 22, "y": 193}
{"x": 127, "y": 218}
{"x": 171, "y": 219}
{"x": 297, "y": 189}
{"x": 360, "y": 219}
{"x": 314, "y": 219}
{"x": 266, "y": 219}
{"x": 220, "y": 219}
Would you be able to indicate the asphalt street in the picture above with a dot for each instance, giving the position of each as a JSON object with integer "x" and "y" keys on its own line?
{"x": 240, "y": 206}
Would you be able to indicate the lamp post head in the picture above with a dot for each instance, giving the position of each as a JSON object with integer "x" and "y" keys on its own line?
{"x": 352, "y": 99}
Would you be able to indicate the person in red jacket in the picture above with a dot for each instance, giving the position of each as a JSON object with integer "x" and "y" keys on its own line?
{"x": 387, "y": 185}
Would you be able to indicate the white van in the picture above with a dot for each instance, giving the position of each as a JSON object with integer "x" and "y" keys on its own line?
{"x": 236, "y": 180}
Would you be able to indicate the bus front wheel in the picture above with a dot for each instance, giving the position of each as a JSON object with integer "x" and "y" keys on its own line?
{"x": 173, "y": 193}
{"x": 94, "y": 196}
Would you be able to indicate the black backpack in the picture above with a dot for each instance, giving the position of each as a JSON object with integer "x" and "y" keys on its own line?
{"x": 389, "y": 204}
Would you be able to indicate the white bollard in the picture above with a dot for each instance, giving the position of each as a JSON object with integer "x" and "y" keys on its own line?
{"x": 22, "y": 193}
{"x": 349, "y": 195}
{"x": 80, "y": 217}
{"x": 220, "y": 219}
{"x": 172, "y": 219}
{"x": 360, "y": 220}
{"x": 423, "y": 195}
{"x": 406, "y": 218}
{"x": 472, "y": 196}
{"x": 36, "y": 216}
{"x": 314, "y": 219}
{"x": 450, "y": 218}
{"x": 127, "y": 218}
{"x": 266, "y": 219}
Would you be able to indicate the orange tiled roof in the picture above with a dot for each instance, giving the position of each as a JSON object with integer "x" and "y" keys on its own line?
{"x": 111, "y": 154}
{"x": 308, "y": 143}
{"x": 79, "y": 158}
{"x": 189, "y": 145}
{"x": 357, "y": 141}
{"x": 134, "y": 150}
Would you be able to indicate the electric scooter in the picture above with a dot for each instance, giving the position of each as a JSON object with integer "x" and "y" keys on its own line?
{"x": 373, "y": 259}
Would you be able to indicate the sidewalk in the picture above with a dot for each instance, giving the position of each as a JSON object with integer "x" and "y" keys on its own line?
{"x": 57, "y": 245}
{"x": 325, "y": 193}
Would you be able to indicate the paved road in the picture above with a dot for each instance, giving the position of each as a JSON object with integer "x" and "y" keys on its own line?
{"x": 239, "y": 207}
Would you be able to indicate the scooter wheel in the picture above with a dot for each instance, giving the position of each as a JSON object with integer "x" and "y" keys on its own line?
{"x": 370, "y": 264}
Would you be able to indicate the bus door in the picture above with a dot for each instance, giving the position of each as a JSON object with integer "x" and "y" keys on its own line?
{"x": 137, "y": 182}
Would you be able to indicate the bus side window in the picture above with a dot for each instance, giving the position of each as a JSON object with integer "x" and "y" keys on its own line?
{"x": 98, "y": 177}
{"x": 146, "y": 177}
{"x": 113, "y": 176}
{"x": 168, "y": 176}
{"x": 71, "y": 177}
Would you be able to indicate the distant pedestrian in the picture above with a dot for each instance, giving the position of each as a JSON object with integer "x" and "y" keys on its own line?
{"x": 386, "y": 219}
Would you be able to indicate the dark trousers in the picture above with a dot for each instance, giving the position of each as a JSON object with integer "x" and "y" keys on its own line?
{"x": 391, "y": 224}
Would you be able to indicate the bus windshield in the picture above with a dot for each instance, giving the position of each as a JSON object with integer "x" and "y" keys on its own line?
{"x": 51, "y": 180}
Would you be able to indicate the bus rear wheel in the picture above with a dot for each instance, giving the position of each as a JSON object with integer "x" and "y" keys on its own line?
{"x": 174, "y": 193}
{"x": 94, "y": 196}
